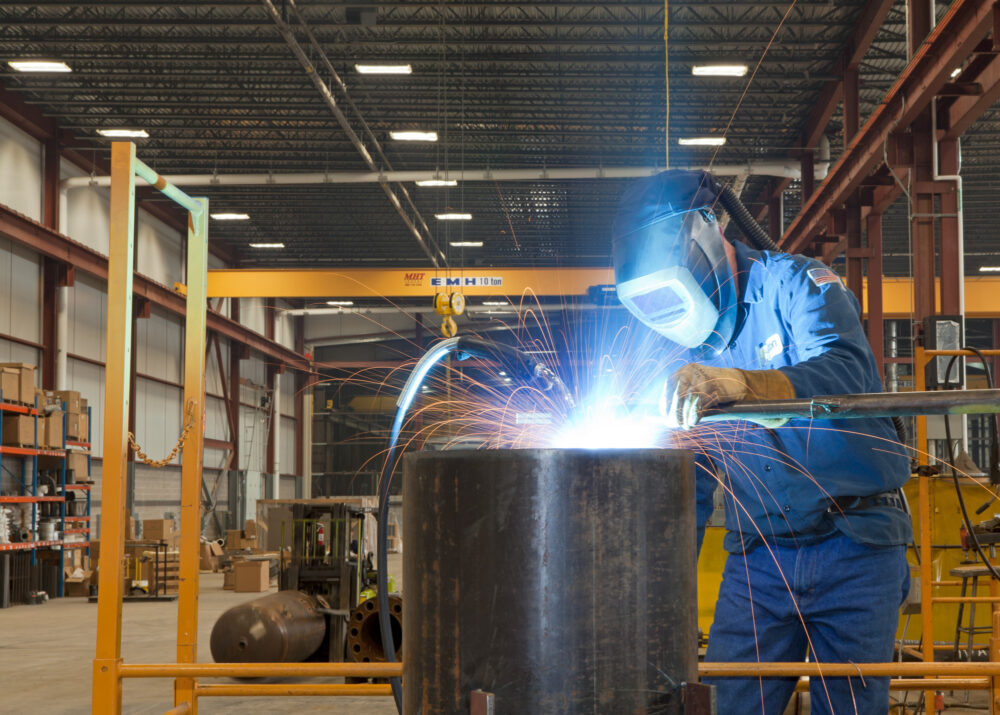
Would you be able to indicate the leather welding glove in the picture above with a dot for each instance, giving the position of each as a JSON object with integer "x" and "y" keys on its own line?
{"x": 694, "y": 388}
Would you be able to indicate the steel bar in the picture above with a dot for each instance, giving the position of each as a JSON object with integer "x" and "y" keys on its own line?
{"x": 923, "y": 683}
{"x": 261, "y": 670}
{"x": 878, "y": 404}
{"x": 283, "y": 690}
{"x": 848, "y": 670}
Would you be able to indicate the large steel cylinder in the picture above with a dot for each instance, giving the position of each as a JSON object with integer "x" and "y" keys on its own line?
{"x": 283, "y": 627}
{"x": 560, "y": 581}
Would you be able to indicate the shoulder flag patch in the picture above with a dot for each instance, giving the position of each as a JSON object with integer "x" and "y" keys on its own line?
{"x": 822, "y": 276}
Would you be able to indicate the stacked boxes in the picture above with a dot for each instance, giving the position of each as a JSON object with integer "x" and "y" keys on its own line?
{"x": 77, "y": 419}
{"x": 19, "y": 430}
{"x": 17, "y": 382}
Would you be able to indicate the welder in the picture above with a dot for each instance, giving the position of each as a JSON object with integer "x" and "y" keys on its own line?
{"x": 816, "y": 529}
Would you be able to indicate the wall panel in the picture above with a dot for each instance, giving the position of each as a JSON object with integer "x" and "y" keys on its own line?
{"x": 20, "y": 171}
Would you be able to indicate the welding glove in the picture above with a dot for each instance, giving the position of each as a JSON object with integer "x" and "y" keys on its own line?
{"x": 694, "y": 388}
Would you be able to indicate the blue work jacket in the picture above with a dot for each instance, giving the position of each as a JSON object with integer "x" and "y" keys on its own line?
{"x": 796, "y": 316}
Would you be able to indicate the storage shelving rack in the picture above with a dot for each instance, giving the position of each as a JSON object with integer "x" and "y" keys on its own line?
{"x": 29, "y": 489}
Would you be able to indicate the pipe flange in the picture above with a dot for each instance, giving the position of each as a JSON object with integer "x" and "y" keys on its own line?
{"x": 364, "y": 636}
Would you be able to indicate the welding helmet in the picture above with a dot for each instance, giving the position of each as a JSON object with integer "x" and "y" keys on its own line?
{"x": 671, "y": 269}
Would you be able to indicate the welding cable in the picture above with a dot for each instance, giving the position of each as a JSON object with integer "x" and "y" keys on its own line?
{"x": 520, "y": 364}
{"x": 745, "y": 221}
{"x": 954, "y": 472}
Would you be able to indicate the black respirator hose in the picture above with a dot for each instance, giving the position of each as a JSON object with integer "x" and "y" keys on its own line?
{"x": 747, "y": 224}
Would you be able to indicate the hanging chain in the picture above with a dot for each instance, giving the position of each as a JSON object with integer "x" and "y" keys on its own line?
{"x": 157, "y": 463}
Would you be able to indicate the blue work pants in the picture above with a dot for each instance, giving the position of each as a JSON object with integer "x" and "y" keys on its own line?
{"x": 836, "y": 599}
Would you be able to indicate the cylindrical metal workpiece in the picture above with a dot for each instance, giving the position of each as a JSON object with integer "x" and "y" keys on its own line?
{"x": 560, "y": 581}
{"x": 284, "y": 627}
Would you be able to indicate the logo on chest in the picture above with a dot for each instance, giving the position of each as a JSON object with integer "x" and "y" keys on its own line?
{"x": 769, "y": 349}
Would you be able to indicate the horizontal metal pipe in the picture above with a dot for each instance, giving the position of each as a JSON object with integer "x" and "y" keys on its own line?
{"x": 278, "y": 690}
{"x": 879, "y": 404}
{"x": 165, "y": 186}
{"x": 966, "y": 599}
{"x": 842, "y": 670}
{"x": 783, "y": 169}
{"x": 924, "y": 684}
{"x": 261, "y": 670}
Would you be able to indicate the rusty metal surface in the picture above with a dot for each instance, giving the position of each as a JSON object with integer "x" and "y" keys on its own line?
{"x": 364, "y": 636}
{"x": 283, "y": 627}
{"x": 557, "y": 580}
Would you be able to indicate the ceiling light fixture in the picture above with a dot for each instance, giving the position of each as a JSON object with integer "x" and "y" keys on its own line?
{"x": 719, "y": 70}
{"x": 466, "y": 244}
{"x": 496, "y": 302}
{"x": 340, "y": 302}
{"x": 453, "y": 217}
{"x": 956, "y": 72}
{"x": 230, "y": 216}
{"x": 383, "y": 69}
{"x": 413, "y": 136}
{"x": 701, "y": 141}
{"x": 989, "y": 269}
{"x": 39, "y": 66}
{"x": 437, "y": 182}
{"x": 123, "y": 133}
{"x": 267, "y": 245}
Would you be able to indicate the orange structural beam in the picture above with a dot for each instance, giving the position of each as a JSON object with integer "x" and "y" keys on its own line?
{"x": 982, "y": 295}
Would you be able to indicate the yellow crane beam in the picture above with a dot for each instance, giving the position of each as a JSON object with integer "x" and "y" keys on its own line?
{"x": 982, "y": 295}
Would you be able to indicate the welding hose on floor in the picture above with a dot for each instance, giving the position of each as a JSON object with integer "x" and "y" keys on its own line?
{"x": 520, "y": 365}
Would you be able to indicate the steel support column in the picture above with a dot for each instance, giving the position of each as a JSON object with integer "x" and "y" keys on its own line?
{"x": 193, "y": 454}
{"x": 852, "y": 205}
{"x": 107, "y": 689}
{"x": 876, "y": 321}
{"x": 775, "y": 223}
{"x": 952, "y": 266}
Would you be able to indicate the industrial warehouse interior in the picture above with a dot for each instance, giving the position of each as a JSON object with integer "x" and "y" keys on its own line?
{"x": 499, "y": 357}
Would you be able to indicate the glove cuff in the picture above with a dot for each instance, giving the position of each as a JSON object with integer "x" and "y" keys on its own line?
{"x": 767, "y": 385}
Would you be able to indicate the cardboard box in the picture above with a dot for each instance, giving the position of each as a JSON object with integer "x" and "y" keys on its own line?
{"x": 20, "y": 430}
{"x": 229, "y": 579}
{"x": 77, "y": 582}
{"x": 73, "y": 427}
{"x": 252, "y": 576}
{"x": 250, "y": 529}
{"x": 76, "y": 466}
{"x": 10, "y": 384}
{"x": 53, "y": 431}
{"x": 209, "y": 561}
{"x": 83, "y": 406}
{"x": 237, "y": 540}
{"x": 71, "y": 399}
{"x": 157, "y": 529}
{"x": 25, "y": 382}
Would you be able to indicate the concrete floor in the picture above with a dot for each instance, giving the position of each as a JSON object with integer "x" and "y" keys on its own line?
{"x": 46, "y": 653}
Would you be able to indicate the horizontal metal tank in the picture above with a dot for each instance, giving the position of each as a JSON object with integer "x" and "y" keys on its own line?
{"x": 560, "y": 581}
{"x": 283, "y": 627}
